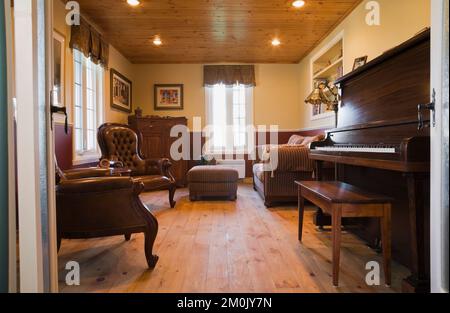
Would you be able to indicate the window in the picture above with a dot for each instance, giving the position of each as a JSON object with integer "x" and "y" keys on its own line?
{"x": 88, "y": 106}
{"x": 229, "y": 112}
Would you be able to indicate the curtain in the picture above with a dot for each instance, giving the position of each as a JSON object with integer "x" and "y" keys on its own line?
{"x": 87, "y": 40}
{"x": 229, "y": 75}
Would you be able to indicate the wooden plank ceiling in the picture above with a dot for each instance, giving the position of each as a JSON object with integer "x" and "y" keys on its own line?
{"x": 213, "y": 31}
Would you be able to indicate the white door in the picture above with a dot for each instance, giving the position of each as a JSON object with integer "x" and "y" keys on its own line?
{"x": 439, "y": 147}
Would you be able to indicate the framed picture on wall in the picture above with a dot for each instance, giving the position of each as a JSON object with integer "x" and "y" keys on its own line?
{"x": 360, "y": 62}
{"x": 121, "y": 92}
{"x": 169, "y": 97}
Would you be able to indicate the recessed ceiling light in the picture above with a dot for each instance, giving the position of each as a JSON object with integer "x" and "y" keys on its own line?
{"x": 157, "y": 41}
{"x": 298, "y": 4}
{"x": 276, "y": 42}
{"x": 133, "y": 3}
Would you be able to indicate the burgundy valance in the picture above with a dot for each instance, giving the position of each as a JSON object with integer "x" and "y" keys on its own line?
{"x": 229, "y": 75}
{"x": 87, "y": 40}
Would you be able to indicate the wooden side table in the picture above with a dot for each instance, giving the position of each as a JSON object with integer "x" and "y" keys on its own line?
{"x": 343, "y": 200}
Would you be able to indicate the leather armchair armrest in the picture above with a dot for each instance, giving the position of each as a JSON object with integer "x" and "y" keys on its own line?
{"x": 92, "y": 185}
{"x": 87, "y": 173}
{"x": 105, "y": 163}
{"x": 159, "y": 167}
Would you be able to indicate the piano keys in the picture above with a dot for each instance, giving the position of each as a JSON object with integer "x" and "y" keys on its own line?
{"x": 380, "y": 146}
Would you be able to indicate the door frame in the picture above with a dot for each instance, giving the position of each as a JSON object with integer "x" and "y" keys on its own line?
{"x": 51, "y": 179}
{"x": 36, "y": 193}
{"x": 439, "y": 245}
{"x": 12, "y": 216}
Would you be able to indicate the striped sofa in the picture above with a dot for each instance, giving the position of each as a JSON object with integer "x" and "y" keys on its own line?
{"x": 276, "y": 182}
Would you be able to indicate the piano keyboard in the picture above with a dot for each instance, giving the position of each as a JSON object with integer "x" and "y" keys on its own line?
{"x": 358, "y": 148}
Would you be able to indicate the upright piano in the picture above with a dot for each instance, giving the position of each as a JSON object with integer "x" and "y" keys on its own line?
{"x": 382, "y": 144}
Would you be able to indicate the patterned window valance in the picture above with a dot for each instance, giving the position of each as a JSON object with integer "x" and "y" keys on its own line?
{"x": 87, "y": 40}
{"x": 229, "y": 75}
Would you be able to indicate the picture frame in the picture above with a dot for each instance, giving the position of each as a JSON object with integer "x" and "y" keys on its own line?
{"x": 168, "y": 97}
{"x": 359, "y": 62}
{"x": 121, "y": 92}
{"x": 59, "y": 73}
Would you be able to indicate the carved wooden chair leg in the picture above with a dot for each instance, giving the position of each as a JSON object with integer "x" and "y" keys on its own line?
{"x": 172, "y": 190}
{"x": 149, "y": 241}
{"x": 127, "y": 237}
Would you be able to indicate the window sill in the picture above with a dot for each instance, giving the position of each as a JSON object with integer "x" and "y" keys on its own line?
{"x": 220, "y": 153}
{"x": 86, "y": 159}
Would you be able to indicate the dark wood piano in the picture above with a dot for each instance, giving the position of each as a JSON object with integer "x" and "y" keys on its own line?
{"x": 378, "y": 145}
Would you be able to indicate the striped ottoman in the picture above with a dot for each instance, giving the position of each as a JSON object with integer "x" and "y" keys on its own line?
{"x": 212, "y": 181}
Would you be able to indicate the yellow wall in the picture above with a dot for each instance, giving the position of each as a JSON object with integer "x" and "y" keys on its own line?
{"x": 400, "y": 20}
{"x": 276, "y": 95}
{"x": 116, "y": 61}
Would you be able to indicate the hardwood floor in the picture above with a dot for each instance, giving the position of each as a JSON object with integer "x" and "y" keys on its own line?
{"x": 219, "y": 246}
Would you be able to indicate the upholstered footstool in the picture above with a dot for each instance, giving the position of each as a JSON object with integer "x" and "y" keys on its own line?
{"x": 212, "y": 181}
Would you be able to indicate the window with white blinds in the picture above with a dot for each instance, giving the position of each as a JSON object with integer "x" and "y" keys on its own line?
{"x": 88, "y": 105}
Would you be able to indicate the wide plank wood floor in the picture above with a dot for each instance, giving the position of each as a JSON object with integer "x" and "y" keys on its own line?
{"x": 219, "y": 246}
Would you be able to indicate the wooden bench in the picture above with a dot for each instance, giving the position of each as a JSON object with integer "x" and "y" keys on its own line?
{"x": 343, "y": 200}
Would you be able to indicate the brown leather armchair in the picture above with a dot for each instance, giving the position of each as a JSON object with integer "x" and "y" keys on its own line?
{"x": 90, "y": 204}
{"x": 120, "y": 143}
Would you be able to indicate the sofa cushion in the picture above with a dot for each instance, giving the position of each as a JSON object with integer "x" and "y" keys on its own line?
{"x": 309, "y": 140}
{"x": 296, "y": 140}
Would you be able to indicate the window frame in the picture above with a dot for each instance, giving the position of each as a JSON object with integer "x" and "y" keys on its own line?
{"x": 87, "y": 155}
{"x": 230, "y": 118}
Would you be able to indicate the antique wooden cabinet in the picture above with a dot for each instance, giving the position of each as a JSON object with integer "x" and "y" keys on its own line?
{"x": 155, "y": 131}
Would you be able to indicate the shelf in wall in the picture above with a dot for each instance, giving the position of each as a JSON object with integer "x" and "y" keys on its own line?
{"x": 327, "y": 64}
{"x": 330, "y": 70}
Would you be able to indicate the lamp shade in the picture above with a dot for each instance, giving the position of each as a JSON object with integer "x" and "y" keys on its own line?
{"x": 327, "y": 95}
{"x": 323, "y": 93}
{"x": 315, "y": 97}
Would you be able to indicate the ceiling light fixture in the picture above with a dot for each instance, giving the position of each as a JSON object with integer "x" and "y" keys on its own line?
{"x": 276, "y": 42}
{"x": 157, "y": 41}
{"x": 133, "y": 3}
{"x": 298, "y": 4}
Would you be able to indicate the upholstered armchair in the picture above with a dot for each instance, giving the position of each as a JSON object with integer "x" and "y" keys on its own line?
{"x": 121, "y": 145}
{"x": 91, "y": 204}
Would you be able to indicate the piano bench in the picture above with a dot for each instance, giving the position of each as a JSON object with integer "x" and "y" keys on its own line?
{"x": 343, "y": 200}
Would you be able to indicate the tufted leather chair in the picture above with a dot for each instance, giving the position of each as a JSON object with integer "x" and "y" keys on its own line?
{"x": 91, "y": 204}
{"x": 122, "y": 145}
